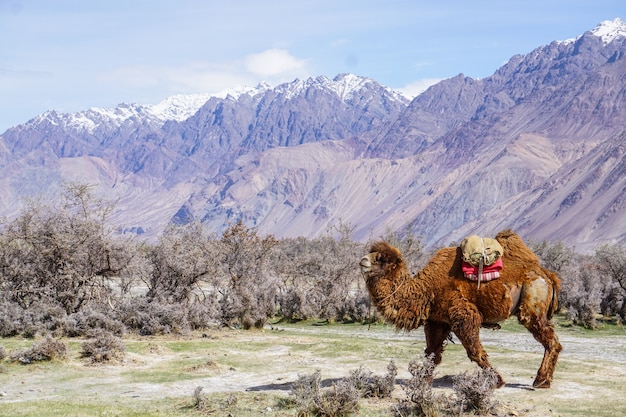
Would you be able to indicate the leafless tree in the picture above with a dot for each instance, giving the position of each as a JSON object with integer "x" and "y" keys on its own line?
{"x": 582, "y": 292}
{"x": 612, "y": 264}
{"x": 181, "y": 261}
{"x": 61, "y": 253}
{"x": 247, "y": 288}
{"x": 320, "y": 278}
{"x": 554, "y": 256}
{"x": 410, "y": 246}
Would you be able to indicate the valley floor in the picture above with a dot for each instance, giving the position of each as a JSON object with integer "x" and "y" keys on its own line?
{"x": 251, "y": 372}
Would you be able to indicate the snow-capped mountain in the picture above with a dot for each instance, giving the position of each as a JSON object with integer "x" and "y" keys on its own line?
{"x": 538, "y": 146}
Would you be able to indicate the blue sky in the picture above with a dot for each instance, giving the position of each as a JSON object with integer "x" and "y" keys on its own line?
{"x": 72, "y": 55}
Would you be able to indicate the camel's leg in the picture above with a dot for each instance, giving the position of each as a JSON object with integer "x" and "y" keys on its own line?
{"x": 543, "y": 331}
{"x": 533, "y": 316}
{"x": 466, "y": 326}
{"x": 436, "y": 336}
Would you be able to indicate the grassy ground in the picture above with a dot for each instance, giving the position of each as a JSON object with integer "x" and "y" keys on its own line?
{"x": 249, "y": 373}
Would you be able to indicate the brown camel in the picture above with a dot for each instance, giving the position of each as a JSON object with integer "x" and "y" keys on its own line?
{"x": 444, "y": 301}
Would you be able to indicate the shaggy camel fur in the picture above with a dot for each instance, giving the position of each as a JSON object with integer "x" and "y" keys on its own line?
{"x": 441, "y": 299}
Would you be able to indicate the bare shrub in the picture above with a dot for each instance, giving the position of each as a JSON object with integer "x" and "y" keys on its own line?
{"x": 38, "y": 319}
{"x": 11, "y": 323}
{"x": 421, "y": 399}
{"x": 305, "y": 391}
{"x": 227, "y": 407}
{"x": 370, "y": 385}
{"x": 151, "y": 317}
{"x": 474, "y": 392}
{"x": 202, "y": 314}
{"x": 104, "y": 347}
{"x": 340, "y": 399}
{"x": 87, "y": 320}
{"x": 200, "y": 400}
{"x": 46, "y": 350}
{"x": 3, "y": 353}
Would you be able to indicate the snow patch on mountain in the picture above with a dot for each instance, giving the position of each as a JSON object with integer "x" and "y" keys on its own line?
{"x": 178, "y": 107}
{"x": 181, "y": 107}
{"x": 609, "y": 30}
{"x": 236, "y": 92}
{"x": 344, "y": 86}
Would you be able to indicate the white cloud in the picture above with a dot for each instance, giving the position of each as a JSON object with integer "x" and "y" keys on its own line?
{"x": 340, "y": 42}
{"x": 272, "y": 66}
{"x": 273, "y": 62}
{"x": 195, "y": 77}
{"x": 417, "y": 87}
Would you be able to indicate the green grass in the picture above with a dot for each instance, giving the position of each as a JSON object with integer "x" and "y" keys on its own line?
{"x": 91, "y": 407}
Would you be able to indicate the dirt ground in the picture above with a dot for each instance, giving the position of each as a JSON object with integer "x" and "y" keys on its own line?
{"x": 590, "y": 375}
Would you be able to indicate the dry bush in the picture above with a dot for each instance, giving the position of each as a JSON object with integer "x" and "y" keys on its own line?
{"x": 202, "y": 403}
{"x": 104, "y": 347}
{"x": 202, "y": 314}
{"x": 11, "y": 319}
{"x": 3, "y": 353}
{"x": 151, "y": 317}
{"x": 305, "y": 390}
{"x": 421, "y": 399}
{"x": 370, "y": 385}
{"x": 38, "y": 319}
{"x": 474, "y": 392}
{"x": 179, "y": 263}
{"x": 341, "y": 399}
{"x": 46, "y": 350}
{"x": 200, "y": 400}
{"x": 612, "y": 264}
{"x": 87, "y": 320}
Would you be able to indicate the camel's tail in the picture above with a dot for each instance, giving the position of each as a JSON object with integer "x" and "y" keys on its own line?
{"x": 554, "y": 302}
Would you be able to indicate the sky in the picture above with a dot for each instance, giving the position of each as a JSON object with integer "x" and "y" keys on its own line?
{"x": 70, "y": 55}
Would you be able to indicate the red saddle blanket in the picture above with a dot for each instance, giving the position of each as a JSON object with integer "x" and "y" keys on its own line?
{"x": 490, "y": 272}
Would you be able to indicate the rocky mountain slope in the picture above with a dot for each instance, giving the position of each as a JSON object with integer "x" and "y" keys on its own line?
{"x": 539, "y": 146}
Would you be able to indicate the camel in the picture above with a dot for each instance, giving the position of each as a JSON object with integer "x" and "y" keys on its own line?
{"x": 441, "y": 299}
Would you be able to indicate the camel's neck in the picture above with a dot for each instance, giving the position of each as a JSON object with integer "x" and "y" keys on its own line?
{"x": 403, "y": 300}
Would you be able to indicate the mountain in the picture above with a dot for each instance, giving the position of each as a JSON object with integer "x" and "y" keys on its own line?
{"x": 538, "y": 146}
{"x": 153, "y": 158}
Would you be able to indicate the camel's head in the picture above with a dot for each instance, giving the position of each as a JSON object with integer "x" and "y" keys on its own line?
{"x": 382, "y": 260}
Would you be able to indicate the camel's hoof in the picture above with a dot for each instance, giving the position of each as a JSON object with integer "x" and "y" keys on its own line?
{"x": 541, "y": 383}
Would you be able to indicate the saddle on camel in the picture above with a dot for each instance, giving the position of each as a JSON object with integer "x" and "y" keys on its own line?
{"x": 482, "y": 258}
